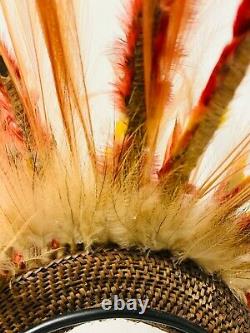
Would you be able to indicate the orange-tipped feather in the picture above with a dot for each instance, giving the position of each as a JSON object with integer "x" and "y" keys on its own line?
{"x": 17, "y": 71}
{"x": 62, "y": 42}
{"x": 163, "y": 46}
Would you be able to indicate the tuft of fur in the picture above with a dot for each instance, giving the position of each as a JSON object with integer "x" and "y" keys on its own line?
{"x": 57, "y": 189}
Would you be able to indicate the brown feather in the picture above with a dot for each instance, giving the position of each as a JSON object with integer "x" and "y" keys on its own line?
{"x": 168, "y": 20}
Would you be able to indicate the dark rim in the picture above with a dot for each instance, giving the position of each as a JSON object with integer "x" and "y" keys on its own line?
{"x": 150, "y": 316}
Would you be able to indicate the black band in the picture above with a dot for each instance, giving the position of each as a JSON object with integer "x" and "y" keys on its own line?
{"x": 150, "y": 316}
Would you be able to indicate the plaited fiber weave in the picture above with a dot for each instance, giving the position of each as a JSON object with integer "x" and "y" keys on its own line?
{"x": 85, "y": 279}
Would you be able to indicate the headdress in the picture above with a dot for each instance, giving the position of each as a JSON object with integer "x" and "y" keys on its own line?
{"x": 140, "y": 196}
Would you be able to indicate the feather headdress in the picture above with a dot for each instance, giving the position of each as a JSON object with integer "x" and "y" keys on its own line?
{"x": 142, "y": 184}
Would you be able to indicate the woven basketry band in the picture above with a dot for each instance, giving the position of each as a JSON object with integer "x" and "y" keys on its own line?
{"x": 85, "y": 279}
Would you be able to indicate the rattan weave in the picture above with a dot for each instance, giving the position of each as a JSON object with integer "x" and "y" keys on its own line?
{"x": 85, "y": 279}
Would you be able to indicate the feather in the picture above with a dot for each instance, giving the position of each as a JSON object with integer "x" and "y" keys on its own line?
{"x": 61, "y": 38}
{"x": 153, "y": 50}
{"x": 14, "y": 61}
{"x": 130, "y": 88}
{"x": 213, "y": 105}
{"x": 168, "y": 21}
